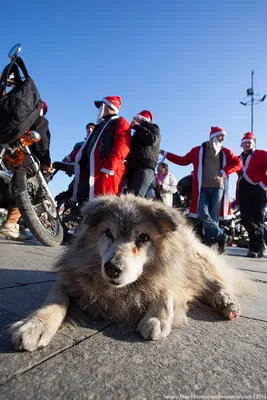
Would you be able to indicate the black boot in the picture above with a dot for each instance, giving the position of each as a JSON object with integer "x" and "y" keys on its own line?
{"x": 223, "y": 241}
{"x": 252, "y": 254}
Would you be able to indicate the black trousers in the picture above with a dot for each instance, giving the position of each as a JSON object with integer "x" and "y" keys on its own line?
{"x": 252, "y": 201}
{"x": 41, "y": 149}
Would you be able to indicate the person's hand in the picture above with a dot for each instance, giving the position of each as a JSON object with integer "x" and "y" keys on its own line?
{"x": 50, "y": 169}
{"x": 134, "y": 123}
{"x": 162, "y": 152}
{"x": 106, "y": 175}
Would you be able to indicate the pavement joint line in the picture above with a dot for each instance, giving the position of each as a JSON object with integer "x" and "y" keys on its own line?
{"x": 258, "y": 280}
{"x": 254, "y": 319}
{"x": 251, "y": 270}
{"x": 26, "y": 284}
{"x": 56, "y": 353}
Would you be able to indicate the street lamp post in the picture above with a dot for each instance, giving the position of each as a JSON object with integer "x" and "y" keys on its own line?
{"x": 254, "y": 99}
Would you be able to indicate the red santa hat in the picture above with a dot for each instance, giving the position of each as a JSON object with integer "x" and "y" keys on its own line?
{"x": 248, "y": 137}
{"x": 145, "y": 115}
{"x": 113, "y": 102}
{"x": 216, "y": 131}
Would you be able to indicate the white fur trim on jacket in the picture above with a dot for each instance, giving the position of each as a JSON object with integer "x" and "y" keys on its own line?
{"x": 107, "y": 171}
{"x": 77, "y": 170}
{"x": 199, "y": 175}
{"x": 226, "y": 195}
{"x": 263, "y": 186}
{"x": 92, "y": 160}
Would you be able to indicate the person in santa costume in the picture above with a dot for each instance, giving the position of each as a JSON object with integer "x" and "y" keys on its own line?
{"x": 143, "y": 158}
{"x": 213, "y": 164}
{"x": 100, "y": 163}
{"x": 70, "y": 158}
{"x": 251, "y": 193}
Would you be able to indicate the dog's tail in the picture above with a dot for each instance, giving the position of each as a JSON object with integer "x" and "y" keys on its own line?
{"x": 236, "y": 280}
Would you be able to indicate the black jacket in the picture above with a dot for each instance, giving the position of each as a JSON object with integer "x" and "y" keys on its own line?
{"x": 145, "y": 145}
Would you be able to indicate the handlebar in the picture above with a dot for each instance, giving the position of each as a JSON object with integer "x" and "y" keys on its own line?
{"x": 62, "y": 166}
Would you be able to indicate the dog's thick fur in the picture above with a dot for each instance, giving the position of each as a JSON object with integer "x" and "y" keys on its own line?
{"x": 133, "y": 260}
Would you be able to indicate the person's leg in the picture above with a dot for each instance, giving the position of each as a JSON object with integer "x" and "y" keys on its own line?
{"x": 212, "y": 230}
{"x": 246, "y": 199}
{"x": 258, "y": 207}
{"x": 216, "y": 197}
{"x": 129, "y": 180}
{"x": 10, "y": 228}
{"x": 142, "y": 179}
{"x": 215, "y": 207}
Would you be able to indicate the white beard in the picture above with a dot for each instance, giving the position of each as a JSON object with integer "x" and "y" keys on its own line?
{"x": 100, "y": 112}
{"x": 217, "y": 145}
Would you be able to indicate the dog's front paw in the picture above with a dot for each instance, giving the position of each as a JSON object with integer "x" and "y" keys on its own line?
{"x": 30, "y": 334}
{"x": 226, "y": 305}
{"x": 151, "y": 328}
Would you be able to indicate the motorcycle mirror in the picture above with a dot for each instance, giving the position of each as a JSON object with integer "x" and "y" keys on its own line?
{"x": 14, "y": 52}
{"x": 36, "y": 136}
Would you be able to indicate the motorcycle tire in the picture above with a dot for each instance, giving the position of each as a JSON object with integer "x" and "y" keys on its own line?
{"x": 32, "y": 220}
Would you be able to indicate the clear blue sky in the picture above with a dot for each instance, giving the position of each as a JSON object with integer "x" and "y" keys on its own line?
{"x": 188, "y": 62}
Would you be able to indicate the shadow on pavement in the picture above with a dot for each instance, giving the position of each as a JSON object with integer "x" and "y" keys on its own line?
{"x": 30, "y": 242}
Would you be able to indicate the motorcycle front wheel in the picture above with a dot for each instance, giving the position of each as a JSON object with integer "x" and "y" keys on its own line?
{"x": 37, "y": 210}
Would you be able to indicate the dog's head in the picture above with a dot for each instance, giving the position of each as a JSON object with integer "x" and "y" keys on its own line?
{"x": 129, "y": 233}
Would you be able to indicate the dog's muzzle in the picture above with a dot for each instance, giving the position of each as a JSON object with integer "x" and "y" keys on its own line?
{"x": 112, "y": 271}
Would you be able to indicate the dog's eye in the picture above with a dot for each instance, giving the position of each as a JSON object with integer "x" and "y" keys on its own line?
{"x": 108, "y": 234}
{"x": 142, "y": 238}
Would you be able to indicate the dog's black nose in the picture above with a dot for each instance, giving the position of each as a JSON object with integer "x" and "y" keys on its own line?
{"x": 111, "y": 270}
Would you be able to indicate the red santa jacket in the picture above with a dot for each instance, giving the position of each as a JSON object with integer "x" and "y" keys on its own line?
{"x": 106, "y": 173}
{"x": 254, "y": 170}
{"x": 231, "y": 163}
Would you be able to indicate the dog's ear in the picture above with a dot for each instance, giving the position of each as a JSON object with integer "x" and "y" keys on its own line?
{"x": 167, "y": 220}
{"x": 93, "y": 212}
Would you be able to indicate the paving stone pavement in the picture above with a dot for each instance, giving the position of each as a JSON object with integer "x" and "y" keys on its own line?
{"x": 210, "y": 358}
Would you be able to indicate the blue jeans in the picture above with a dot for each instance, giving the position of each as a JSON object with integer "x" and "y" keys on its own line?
{"x": 139, "y": 180}
{"x": 209, "y": 206}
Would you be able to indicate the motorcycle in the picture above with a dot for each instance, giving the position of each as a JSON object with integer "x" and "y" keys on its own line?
{"x": 69, "y": 212}
{"x": 24, "y": 182}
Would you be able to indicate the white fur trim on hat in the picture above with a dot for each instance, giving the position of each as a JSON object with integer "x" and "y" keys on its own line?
{"x": 218, "y": 133}
{"x": 111, "y": 105}
{"x": 141, "y": 117}
{"x": 248, "y": 141}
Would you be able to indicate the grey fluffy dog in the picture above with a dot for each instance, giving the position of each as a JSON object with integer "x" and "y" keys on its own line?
{"x": 138, "y": 261}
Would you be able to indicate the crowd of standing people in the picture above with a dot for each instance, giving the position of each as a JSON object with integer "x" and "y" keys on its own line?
{"x": 117, "y": 156}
